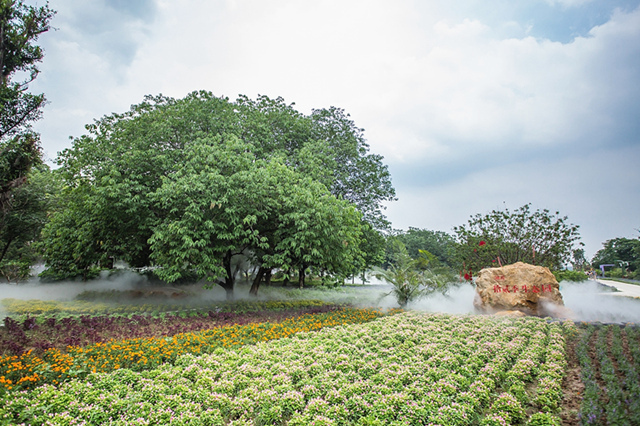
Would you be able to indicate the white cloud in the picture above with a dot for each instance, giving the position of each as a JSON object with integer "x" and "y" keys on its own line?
{"x": 452, "y": 84}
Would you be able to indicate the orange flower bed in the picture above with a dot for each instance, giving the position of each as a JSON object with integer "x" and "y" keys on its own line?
{"x": 55, "y": 366}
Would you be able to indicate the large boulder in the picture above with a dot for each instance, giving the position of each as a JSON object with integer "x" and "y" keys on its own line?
{"x": 530, "y": 289}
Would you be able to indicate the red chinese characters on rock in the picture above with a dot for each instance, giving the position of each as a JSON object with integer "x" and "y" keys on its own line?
{"x": 530, "y": 289}
{"x": 522, "y": 289}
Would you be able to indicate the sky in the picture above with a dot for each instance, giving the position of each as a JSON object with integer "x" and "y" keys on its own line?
{"x": 475, "y": 105}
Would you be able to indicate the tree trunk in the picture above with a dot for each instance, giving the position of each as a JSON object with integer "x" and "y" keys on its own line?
{"x": 301, "y": 276}
{"x": 229, "y": 280}
{"x": 267, "y": 277}
{"x": 235, "y": 271}
{"x": 285, "y": 282}
{"x": 256, "y": 281}
{"x": 6, "y": 248}
{"x": 229, "y": 293}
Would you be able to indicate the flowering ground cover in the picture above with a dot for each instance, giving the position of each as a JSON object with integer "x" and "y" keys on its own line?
{"x": 405, "y": 369}
{"x": 55, "y": 365}
{"x": 42, "y": 332}
{"x": 609, "y": 359}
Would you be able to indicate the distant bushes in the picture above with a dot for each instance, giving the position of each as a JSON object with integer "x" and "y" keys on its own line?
{"x": 622, "y": 273}
{"x": 566, "y": 275}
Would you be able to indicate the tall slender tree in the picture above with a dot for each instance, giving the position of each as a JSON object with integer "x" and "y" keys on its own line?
{"x": 20, "y": 27}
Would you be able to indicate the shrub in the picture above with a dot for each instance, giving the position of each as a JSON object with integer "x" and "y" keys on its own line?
{"x": 575, "y": 276}
{"x": 614, "y": 273}
{"x": 508, "y": 405}
{"x": 544, "y": 419}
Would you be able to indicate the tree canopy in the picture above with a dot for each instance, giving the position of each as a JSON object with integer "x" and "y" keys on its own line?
{"x": 622, "y": 252}
{"x": 438, "y": 243}
{"x": 186, "y": 184}
{"x": 21, "y": 207}
{"x": 20, "y": 27}
{"x": 225, "y": 202}
{"x": 504, "y": 237}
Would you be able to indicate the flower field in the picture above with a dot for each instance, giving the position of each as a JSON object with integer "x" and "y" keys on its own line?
{"x": 46, "y": 331}
{"x": 404, "y": 369}
{"x": 609, "y": 358}
{"x": 55, "y": 365}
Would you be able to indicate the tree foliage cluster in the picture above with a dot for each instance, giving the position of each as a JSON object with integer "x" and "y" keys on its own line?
{"x": 504, "y": 237}
{"x": 438, "y": 246}
{"x": 187, "y": 185}
{"x": 624, "y": 253}
{"x": 24, "y": 188}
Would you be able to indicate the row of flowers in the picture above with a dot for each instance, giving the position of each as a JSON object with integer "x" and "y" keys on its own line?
{"x": 610, "y": 375}
{"x": 54, "y": 366}
{"x": 42, "y": 333}
{"x": 542, "y": 361}
{"x": 405, "y": 369}
{"x": 23, "y": 308}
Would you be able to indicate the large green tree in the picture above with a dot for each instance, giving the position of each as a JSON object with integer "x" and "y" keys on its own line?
{"x": 504, "y": 237}
{"x": 20, "y": 207}
{"x": 117, "y": 176}
{"x": 223, "y": 202}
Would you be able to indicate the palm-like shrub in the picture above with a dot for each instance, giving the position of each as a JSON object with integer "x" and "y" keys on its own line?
{"x": 409, "y": 281}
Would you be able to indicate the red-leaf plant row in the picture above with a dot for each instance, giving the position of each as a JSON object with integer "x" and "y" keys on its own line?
{"x": 17, "y": 337}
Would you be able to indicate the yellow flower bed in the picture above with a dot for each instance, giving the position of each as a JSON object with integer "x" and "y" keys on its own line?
{"x": 29, "y": 370}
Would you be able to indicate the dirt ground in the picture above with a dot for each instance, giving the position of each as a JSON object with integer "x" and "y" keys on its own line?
{"x": 572, "y": 387}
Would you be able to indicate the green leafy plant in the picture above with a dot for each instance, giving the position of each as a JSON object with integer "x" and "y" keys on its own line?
{"x": 15, "y": 270}
{"x": 507, "y": 403}
{"x": 409, "y": 282}
{"x": 544, "y": 419}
